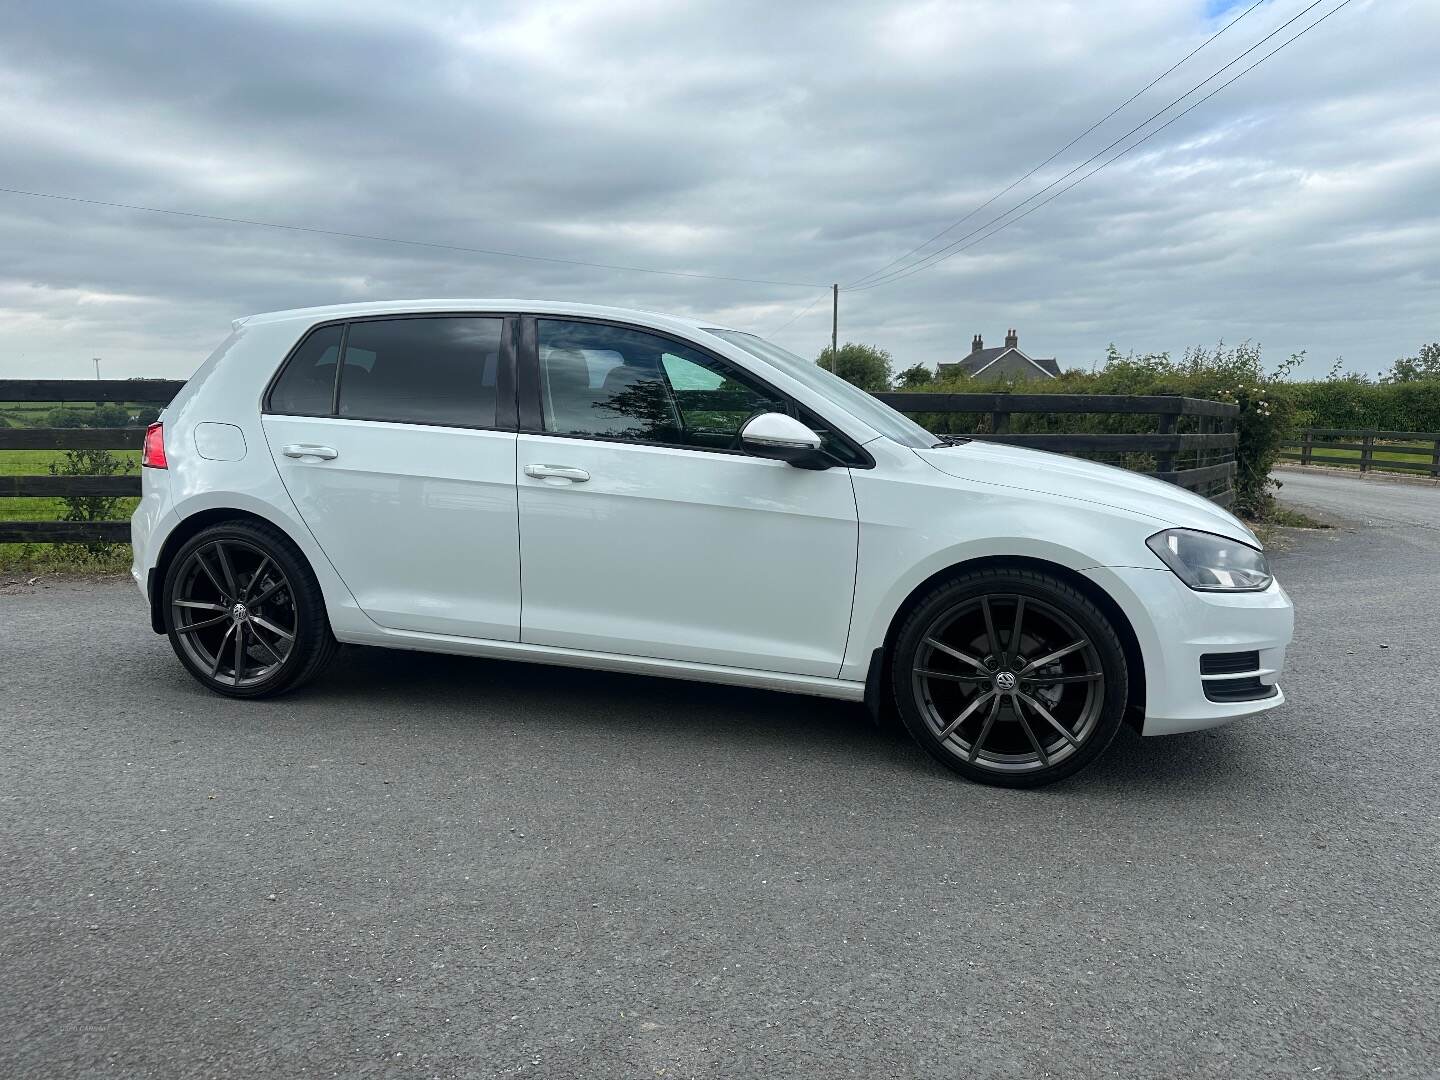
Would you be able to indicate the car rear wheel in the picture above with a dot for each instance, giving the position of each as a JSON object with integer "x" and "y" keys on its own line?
{"x": 1011, "y": 677}
{"x": 244, "y": 612}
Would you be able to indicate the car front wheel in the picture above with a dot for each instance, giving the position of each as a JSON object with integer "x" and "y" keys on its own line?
{"x": 244, "y": 612}
{"x": 1010, "y": 677}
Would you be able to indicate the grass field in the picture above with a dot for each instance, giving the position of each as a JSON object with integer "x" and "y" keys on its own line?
{"x": 42, "y": 558}
{"x": 29, "y": 463}
{"x": 48, "y": 557}
{"x": 37, "y": 463}
{"x": 1350, "y": 459}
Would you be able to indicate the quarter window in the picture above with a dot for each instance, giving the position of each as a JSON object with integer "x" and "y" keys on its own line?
{"x": 307, "y": 385}
{"x": 613, "y": 382}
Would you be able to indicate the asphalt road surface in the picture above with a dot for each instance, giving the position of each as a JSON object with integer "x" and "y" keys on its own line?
{"x": 447, "y": 867}
{"x": 1377, "y": 502}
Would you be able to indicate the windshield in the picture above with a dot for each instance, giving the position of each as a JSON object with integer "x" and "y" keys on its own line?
{"x": 893, "y": 425}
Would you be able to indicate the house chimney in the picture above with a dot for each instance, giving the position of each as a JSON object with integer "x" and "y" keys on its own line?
{"x": 977, "y": 344}
{"x": 1012, "y": 340}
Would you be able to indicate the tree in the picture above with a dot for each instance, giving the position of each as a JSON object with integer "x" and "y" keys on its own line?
{"x": 864, "y": 366}
{"x": 93, "y": 507}
{"x": 1338, "y": 374}
{"x": 912, "y": 378}
{"x": 1414, "y": 368}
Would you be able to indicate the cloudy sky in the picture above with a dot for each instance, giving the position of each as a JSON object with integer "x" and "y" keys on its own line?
{"x": 794, "y": 141}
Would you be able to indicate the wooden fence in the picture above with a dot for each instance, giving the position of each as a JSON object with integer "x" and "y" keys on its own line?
{"x": 1318, "y": 446}
{"x": 1212, "y": 447}
{"x": 143, "y": 392}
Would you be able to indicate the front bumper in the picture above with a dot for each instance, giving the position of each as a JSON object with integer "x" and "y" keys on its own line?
{"x": 1175, "y": 626}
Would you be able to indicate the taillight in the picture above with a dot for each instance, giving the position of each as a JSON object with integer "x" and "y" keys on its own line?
{"x": 153, "y": 456}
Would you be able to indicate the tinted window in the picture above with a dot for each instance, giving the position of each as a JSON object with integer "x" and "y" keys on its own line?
{"x": 712, "y": 401}
{"x": 422, "y": 371}
{"x": 307, "y": 385}
{"x": 620, "y": 383}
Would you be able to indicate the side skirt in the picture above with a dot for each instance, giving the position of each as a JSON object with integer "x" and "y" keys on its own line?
{"x": 784, "y": 682}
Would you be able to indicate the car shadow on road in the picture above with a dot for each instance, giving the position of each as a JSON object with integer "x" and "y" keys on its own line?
{"x": 470, "y": 696}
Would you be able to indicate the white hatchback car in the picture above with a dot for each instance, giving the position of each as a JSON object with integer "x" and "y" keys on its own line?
{"x": 637, "y": 492}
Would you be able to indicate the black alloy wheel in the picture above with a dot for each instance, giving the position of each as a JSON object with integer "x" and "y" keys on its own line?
{"x": 1012, "y": 678}
{"x": 244, "y": 613}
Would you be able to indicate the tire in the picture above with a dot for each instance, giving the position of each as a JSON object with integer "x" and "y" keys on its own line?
{"x": 281, "y": 626}
{"x": 991, "y": 707}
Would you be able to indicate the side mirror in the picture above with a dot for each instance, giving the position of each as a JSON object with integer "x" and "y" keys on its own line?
{"x": 776, "y": 435}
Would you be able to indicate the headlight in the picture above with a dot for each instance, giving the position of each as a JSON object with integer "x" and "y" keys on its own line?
{"x": 1212, "y": 563}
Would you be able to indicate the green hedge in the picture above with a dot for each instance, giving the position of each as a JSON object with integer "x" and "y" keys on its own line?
{"x": 1353, "y": 403}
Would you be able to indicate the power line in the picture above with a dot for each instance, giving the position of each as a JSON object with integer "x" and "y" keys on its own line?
{"x": 793, "y": 318}
{"x": 941, "y": 254}
{"x": 915, "y": 269}
{"x": 408, "y": 243}
{"x": 960, "y": 221}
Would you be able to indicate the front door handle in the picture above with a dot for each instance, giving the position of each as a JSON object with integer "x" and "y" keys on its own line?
{"x": 304, "y": 450}
{"x": 557, "y": 472}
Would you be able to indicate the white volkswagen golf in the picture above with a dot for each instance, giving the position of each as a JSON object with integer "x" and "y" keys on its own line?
{"x": 614, "y": 489}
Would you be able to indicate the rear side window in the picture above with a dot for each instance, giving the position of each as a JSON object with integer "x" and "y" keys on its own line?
{"x": 307, "y": 385}
{"x": 440, "y": 371}
{"x": 422, "y": 371}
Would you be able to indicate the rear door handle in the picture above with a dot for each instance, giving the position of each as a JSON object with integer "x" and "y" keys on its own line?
{"x": 304, "y": 450}
{"x": 557, "y": 472}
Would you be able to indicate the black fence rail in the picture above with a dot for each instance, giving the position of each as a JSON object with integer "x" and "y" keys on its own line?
{"x": 1367, "y": 449}
{"x": 1209, "y": 450}
{"x": 1211, "y": 447}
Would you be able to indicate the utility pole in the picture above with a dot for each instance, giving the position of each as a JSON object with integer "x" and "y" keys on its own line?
{"x": 835, "y": 328}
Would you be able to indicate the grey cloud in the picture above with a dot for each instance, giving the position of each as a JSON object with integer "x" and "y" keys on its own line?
{"x": 798, "y": 141}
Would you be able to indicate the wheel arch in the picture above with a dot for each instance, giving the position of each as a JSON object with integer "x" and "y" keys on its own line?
{"x": 183, "y": 531}
{"x": 1134, "y": 658}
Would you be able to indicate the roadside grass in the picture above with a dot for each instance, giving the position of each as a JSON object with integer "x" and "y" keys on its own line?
{"x": 1279, "y": 517}
{"x": 1288, "y": 517}
{"x": 61, "y": 560}
{"x": 1284, "y": 517}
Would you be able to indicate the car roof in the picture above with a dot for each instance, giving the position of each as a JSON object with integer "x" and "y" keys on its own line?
{"x": 537, "y": 307}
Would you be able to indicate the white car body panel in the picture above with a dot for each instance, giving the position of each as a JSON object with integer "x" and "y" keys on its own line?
{"x": 1035, "y": 472}
{"x": 597, "y": 573}
{"x": 687, "y": 555}
{"x": 1175, "y": 625}
{"x": 418, "y": 520}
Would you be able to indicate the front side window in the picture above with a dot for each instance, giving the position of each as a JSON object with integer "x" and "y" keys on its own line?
{"x": 893, "y": 425}
{"x": 422, "y": 371}
{"x": 614, "y": 382}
